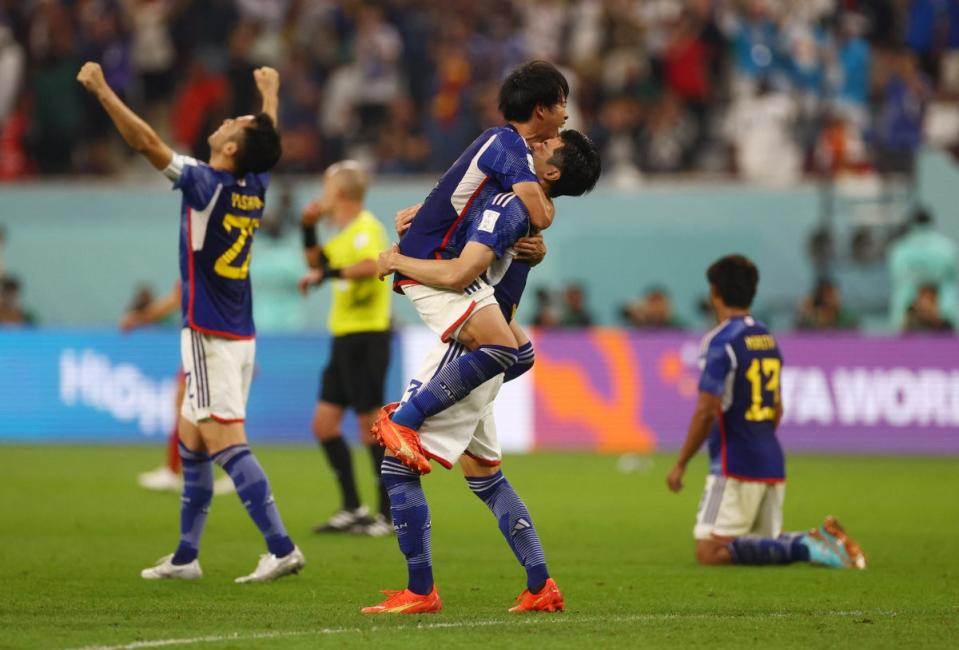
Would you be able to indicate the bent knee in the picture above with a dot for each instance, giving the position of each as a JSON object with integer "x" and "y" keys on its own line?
{"x": 711, "y": 553}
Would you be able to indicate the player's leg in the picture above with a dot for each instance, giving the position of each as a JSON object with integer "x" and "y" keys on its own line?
{"x": 493, "y": 350}
{"x": 167, "y": 477}
{"x": 225, "y": 372}
{"x": 327, "y": 421}
{"x": 368, "y": 396}
{"x": 411, "y": 517}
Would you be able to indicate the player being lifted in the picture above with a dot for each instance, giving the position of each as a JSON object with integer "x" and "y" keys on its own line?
{"x": 222, "y": 207}
{"x": 533, "y": 101}
{"x": 741, "y": 511}
{"x": 465, "y": 432}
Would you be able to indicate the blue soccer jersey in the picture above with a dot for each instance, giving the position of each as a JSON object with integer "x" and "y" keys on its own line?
{"x": 219, "y": 216}
{"x": 492, "y": 164}
{"x": 741, "y": 363}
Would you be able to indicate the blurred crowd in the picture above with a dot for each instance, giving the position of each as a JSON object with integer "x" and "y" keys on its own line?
{"x": 770, "y": 89}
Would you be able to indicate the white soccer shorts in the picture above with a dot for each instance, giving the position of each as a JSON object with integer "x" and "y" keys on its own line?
{"x": 445, "y": 311}
{"x": 218, "y": 374}
{"x": 733, "y": 508}
{"x": 466, "y": 427}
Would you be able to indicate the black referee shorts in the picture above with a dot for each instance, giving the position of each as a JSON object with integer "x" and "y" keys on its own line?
{"x": 356, "y": 374}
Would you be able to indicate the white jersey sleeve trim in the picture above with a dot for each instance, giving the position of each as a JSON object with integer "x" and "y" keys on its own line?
{"x": 200, "y": 220}
{"x": 174, "y": 170}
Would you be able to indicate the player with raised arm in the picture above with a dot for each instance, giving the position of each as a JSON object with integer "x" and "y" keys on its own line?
{"x": 222, "y": 205}
{"x": 533, "y": 101}
{"x": 359, "y": 322}
{"x": 465, "y": 431}
{"x": 739, "y": 409}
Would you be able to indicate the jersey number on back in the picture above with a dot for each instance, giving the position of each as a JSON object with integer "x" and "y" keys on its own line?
{"x": 224, "y": 264}
{"x": 763, "y": 376}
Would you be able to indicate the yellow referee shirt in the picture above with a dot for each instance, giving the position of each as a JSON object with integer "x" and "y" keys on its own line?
{"x": 358, "y": 305}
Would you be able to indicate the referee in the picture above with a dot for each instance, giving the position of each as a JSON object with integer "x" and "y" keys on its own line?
{"x": 360, "y": 324}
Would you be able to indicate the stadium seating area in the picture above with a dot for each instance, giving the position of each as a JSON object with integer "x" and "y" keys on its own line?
{"x": 663, "y": 86}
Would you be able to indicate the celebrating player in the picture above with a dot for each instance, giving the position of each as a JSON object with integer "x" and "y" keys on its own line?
{"x": 533, "y": 100}
{"x": 739, "y": 408}
{"x": 360, "y": 324}
{"x": 465, "y": 431}
{"x": 222, "y": 207}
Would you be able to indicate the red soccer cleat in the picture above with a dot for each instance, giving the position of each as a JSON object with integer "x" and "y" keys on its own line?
{"x": 407, "y": 602}
{"x": 402, "y": 441}
{"x": 548, "y": 599}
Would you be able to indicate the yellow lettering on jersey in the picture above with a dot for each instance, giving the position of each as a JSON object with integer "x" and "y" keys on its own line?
{"x": 224, "y": 264}
{"x": 760, "y": 372}
{"x": 760, "y": 342}
{"x": 246, "y": 202}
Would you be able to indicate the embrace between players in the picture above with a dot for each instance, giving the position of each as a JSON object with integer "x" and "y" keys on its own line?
{"x": 463, "y": 261}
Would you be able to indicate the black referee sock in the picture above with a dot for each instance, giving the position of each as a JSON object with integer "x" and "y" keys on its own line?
{"x": 341, "y": 462}
{"x": 376, "y": 454}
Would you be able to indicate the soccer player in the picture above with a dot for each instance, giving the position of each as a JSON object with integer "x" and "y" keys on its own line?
{"x": 533, "y": 101}
{"x": 739, "y": 408}
{"x": 465, "y": 431}
{"x": 222, "y": 207}
{"x": 360, "y": 324}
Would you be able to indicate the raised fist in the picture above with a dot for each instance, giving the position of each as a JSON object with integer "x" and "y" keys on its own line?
{"x": 91, "y": 76}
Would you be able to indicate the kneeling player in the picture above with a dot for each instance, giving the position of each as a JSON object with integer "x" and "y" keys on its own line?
{"x": 739, "y": 409}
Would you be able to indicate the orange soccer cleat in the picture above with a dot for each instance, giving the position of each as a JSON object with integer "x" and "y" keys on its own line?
{"x": 407, "y": 602}
{"x": 849, "y": 549}
{"x": 402, "y": 441}
{"x": 548, "y": 599}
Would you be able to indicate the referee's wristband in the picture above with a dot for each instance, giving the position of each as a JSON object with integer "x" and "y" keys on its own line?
{"x": 331, "y": 272}
{"x": 309, "y": 237}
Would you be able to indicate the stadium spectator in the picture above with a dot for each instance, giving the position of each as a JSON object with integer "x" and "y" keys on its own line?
{"x": 923, "y": 256}
{"x": 924, "y": 314}
{"x": 654, "y": 311}
{"x": 824, "y": 310}
{"x": 12, "y": 68}
{"x": 575, "y": 312}
{"x": 11, "y": 311}
{"x": 899, "y": 121}
{"x": 545, "y": 314}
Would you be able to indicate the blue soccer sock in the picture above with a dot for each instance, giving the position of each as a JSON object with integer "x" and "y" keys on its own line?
{"x": 253, "y": 488}
{"x": 411, "y": 519}
{"x": 524, "y": 362}
{"x": 785, "y": 549}
{"x": 194, "y": 503}
{"x": 454, "y": 381}
{"x": 515, "y": 524}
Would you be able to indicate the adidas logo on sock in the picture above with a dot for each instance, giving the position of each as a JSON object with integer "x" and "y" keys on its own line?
{"x": 520, "y": 525}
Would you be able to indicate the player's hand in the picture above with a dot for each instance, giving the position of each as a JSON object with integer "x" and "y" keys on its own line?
{"x": 130, "y": 321}
{"x": 531, "y": 250}
{"x": 311, "y": 278}
{"x": 385, "y": 262}
{"x": 675, "y": 478}
{"x": 267, "y": 81}
{"x": 91, "y": 76}
{"x": 404, "y": 218}
{"x": 313, "y": 212}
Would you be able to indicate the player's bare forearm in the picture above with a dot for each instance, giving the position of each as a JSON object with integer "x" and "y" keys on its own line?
{"x": 135, "y": 131}
{"x": 700, "y": 425}
{"x": 359, "y": 271}
{"x": 454, "y": 274}
{"x": 540, "y": 206}
{"x": 268, "y": 83}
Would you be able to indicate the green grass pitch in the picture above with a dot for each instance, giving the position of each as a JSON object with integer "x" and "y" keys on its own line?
{"x": 76, "y": 531}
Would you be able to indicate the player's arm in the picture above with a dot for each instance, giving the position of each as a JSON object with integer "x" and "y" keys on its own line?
{"x": 707, "y": 406}
{"x": 540, "y": 206}
{"x": 268, "y": 83}
{"x": 404, "y": 218}
{"x": 530, "y": 249}
{"x": 312, "y": 247}
{"x": 137, "y": 133}
{"x": 456, "y": 274}
{"x": 153, "y": 312}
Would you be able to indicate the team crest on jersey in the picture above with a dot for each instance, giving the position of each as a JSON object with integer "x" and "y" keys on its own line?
{"x": 489, "y": 220}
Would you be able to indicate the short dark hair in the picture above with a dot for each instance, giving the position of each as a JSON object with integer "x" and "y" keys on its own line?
{"x": 579, "y": 165}
{"x": 735, "y": 278}
{"x": 537, "y": 83}
{"x": 260, "y": 149}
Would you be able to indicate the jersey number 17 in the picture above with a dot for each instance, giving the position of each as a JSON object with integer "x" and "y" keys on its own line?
{"x": 763, "y": 377}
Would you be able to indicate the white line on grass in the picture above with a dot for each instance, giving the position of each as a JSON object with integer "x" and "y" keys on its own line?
{"x": 536, "y": 620}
